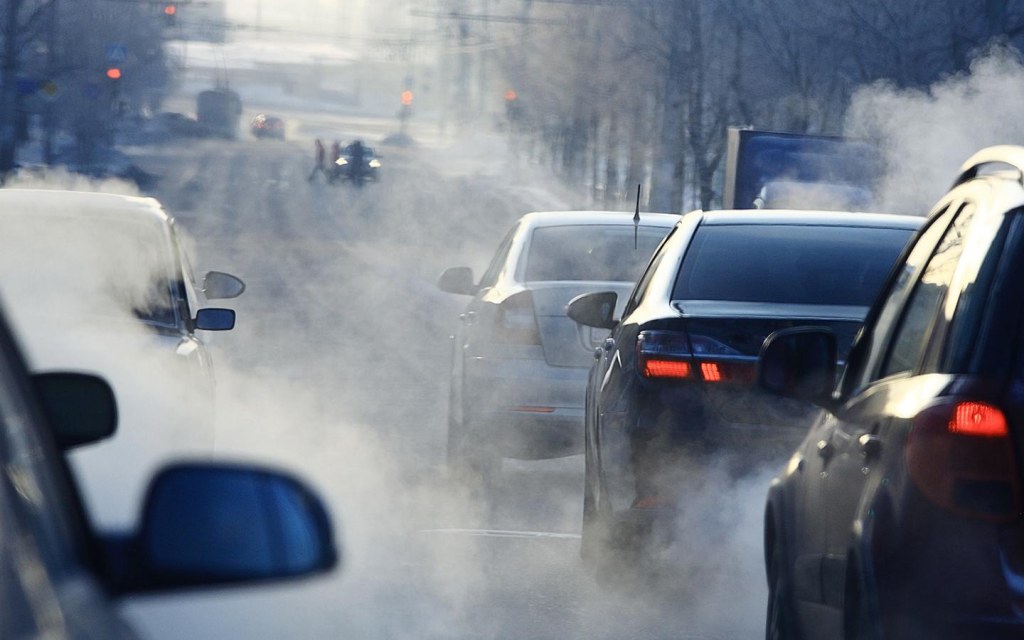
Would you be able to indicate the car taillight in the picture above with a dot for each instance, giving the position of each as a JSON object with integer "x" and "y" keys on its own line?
{"x": 960, "y": 456}
{"x": 663, "y": 354}
{"x": 515, "y": 322}
{"x": 668, "y": 354}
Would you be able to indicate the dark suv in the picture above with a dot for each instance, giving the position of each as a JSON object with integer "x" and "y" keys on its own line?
{"x": 899, "y": 516}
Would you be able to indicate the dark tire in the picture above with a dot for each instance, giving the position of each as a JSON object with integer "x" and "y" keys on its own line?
{"x": 856, "y": 620}
{"x": 780, "y": 620}
{"x": 607, "y": 550}
{"x": 468, "y": 459}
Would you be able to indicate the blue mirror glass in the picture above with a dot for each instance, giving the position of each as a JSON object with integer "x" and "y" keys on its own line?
{"x": 206, "y": 524}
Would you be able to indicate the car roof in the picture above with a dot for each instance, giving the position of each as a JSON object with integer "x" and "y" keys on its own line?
{"x": 58, "y": 203}
{"x": 813, "y": 218}
{"x": 563, "y": 218}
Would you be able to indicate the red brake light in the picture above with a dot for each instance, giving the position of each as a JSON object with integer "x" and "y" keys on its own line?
{"x": 663, "y": 354}
{"x": 668, "y": 354}
{"x": 959, "y": 455}
{"x": 978, "y": 419}
{"x": 666, "y": 369}
{"x": 710, "y": 372}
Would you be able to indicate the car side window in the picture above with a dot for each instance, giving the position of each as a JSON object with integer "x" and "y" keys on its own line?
{"x": 867, "y": 347}
{"x": 490, "y": 277}
{"x": 979, "y": 295}
{"x": 914, "y": 331}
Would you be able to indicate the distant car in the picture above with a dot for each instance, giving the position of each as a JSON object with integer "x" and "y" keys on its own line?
{"x": 349, "y": 167}
{"x": 900, "y": 515}
{"x": 61, "y": 578}
{"x": 264, "y": 126}
{"x": 519, "y": 366}
{"x": 674, "y": 384}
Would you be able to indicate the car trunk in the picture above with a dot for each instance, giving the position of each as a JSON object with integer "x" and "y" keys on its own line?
{"x": 726, "y": 337}
{"x": 566, "y": 343}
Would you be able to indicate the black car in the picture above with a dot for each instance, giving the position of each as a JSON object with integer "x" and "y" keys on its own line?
{"x": 357, "y": 163}
{"x": 675, "y": 381}
{"x": 900, "y": 514}
{"x": 203, "y": 524}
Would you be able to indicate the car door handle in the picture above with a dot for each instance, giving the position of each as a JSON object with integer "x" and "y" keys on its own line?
{"x": 870, "y": 445}
{"x": 826, "y": 449}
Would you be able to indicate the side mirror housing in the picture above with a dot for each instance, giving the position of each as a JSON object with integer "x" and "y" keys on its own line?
{"x": 594, "y": 309}
{"x": 799, "y": 363}
{"x": 218, "y": 285}
{"x": 207, "y": 524}
{"x": 79, "y": 407}
{"x": 213, "y": 319}
{"x": 458, "y": 280}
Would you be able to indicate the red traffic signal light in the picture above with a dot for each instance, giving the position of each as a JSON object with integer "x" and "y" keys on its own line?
{"x": 406, "y": 98}
{"x": 511, "y": 95}
{"x": 114, "y": 73}
{"x": 170, "y": 10}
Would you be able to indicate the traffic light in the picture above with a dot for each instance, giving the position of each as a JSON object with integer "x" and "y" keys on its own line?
{"x": 407, "y": 98}
{"x": 114, "y": 73}
{"x": 512, "y": 109}
{"x": 170, "y": 14}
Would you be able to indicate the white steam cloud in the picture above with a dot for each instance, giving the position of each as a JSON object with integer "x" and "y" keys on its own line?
{"x": 927, "y": 135}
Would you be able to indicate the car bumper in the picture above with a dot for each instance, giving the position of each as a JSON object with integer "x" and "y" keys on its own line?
{"x": 525, "y": 408}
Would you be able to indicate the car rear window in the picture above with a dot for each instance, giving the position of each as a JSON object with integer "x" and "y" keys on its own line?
{"x": 591, "y": 252}
{"x": 788, "y": 264}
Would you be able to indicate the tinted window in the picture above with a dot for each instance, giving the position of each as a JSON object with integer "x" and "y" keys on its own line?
{"x": 912, "y": 337}
{"x": 792, "y": 264}
{"x": 591, "y": 252}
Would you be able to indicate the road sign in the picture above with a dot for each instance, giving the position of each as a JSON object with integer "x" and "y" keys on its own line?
{"x": 116, "y": 53}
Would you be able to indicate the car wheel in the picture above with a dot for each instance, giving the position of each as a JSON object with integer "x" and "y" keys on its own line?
{"x": 468, "y": 459}
{"x": 594, "y": 530}
{"x": 856, "y": 624}
{"x": 780, "y": 620}
{"x": 611, "y": 552}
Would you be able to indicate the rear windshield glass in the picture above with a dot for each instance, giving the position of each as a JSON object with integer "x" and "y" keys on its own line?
{"x": 591, "y": 252}
{"x": 788, "y": 264}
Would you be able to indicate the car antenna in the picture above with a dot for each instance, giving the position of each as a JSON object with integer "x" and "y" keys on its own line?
{"x": 636, "y": 217}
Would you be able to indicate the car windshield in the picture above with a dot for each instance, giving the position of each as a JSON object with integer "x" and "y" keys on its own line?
{"x": 788, "y": 264}
{"x": 74, "y": 267}
{"x": 590, "y": 252}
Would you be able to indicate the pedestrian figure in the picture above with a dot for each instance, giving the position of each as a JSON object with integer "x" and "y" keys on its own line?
{"x": 321, "y": 154}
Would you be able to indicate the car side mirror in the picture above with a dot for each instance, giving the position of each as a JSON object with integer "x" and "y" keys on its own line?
{"x": 218, "y": 285}
{"x": 799, "y": 363}
{"x": 207, "y": 524}
{"x": 594, "y": 309}
{"x": 458, "y": 280}
{"x": 213, "y": 319}
{"x": 80, "y": 408}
